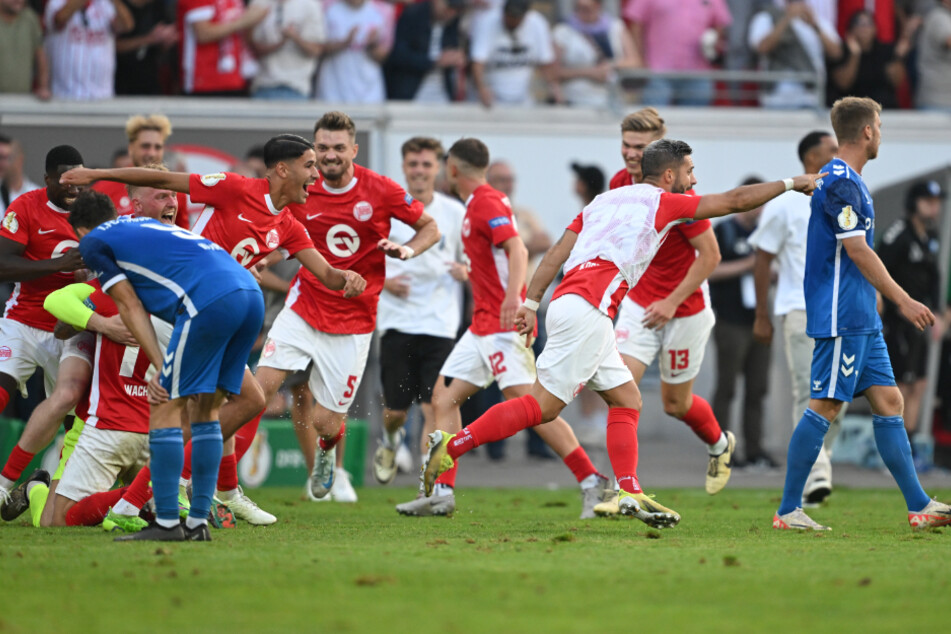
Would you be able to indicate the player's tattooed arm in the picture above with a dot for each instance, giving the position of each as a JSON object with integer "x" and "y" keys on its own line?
{"x": 351, "y": 283}
{"x": 138, "y": 176}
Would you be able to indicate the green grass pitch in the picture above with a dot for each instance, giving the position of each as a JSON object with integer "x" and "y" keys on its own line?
{"x": 508, "y": 561}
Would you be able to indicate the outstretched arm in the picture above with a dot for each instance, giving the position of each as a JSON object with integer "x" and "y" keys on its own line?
{"x": 136, "y": 176}
{"x": 752, "y": 196}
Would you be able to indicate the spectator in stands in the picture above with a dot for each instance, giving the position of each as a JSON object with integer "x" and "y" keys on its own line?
{"x": 80, "y": 43}
{"x": 910, "y": 251}
{"x": 506, "y": 47}
{"x": 288, "y": 43}
{"x": 870, "y": 67}
{"x": 738, "y": 353}
{"x": 6, "y": 152}
{"x": 500, "y": 176}
{"x": 122, "y": 158}
{"x": 13, "y": 182}
{"x": 359, "y": 35}
{"x": 678, "y": 36}
{"x": 141, "y": 51}
{"x": 934, "y": 59}
{"x": 215, "y": 57}
{"x": 790, "y": 37}
{"x": 427, "y": 61}
{"x": 253, "y": 164}
{"x": 589, "y": 181}
{"x": 23, "y": 65}
{"x": 591, "y": 45}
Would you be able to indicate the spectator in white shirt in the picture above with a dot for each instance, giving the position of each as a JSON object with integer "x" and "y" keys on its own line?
{"x": 506, "y": 48}
{"x": 359, "y": 38}
{"x": 14, "y": 182}
{"x": 287, "y": 42}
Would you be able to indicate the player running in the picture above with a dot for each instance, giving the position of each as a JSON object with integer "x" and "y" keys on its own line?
{"x": 491, "y": 349}
{"x": 850, "y": 357}
{"x": 581, "y": 348}
{"x": 348, "y": 214}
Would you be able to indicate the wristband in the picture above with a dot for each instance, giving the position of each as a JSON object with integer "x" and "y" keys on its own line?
{"x": 788, "y": 182}
{"x": 531, "y": 304}
{"x": 412, "y": 251}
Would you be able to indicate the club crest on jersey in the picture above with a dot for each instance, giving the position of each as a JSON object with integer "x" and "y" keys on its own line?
{"x": 848, "y": 219}
{"x": 343, "y": 241}
{"x": 210, "y": 180}
{"x": 10, "y": 222}
{"x": 269, "y": 347}
{"x": 5, "y": 353}
{"x": 466, "y": 227}
{"x": 272, "y": 239}
{"x": 363, "y": 211}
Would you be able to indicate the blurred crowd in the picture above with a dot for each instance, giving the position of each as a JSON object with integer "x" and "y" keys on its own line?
{"x": 515, "y": 52}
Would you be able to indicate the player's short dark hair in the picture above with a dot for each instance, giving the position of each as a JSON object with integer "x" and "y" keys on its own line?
{"x": 336, "y": 120}
{"x": 850, "y": 115}
{"x": 62, "y": 155}
{"x": 472, "y": 151}
{"x": 752, "y": 179}
{"x": 810, "y": 141}
{"x": 285, "y": 147}
{"x": 91, "y": 209}
{"x": 255, "y": 152}
{"x": 421, "y": 143}
{"x": 662, "y": 155}
{"x": 5, "y": 140}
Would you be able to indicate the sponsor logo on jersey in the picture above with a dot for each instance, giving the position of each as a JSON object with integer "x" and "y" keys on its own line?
{"x": 848, "y": 219}
{"x": 5, "y": 353}
{"x": 10, "y": 222}
{"x": 245, "y": 250}
{"x": 136, "y": 390}
{"x": 272, "y": 239}
{"x": 343, "y": 241}
{"x": 466, "y": 227}
{"x": 499, "y": 221}
{"x": 816, "y": 386}
{"x": 63, "y": 247}
{"x": 210, "y": 180}
{"x": 363, "y": 211}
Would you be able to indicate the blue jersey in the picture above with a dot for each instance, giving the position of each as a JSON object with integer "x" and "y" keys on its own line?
{"x": 171, "y": 269}
{"x": 839, "y": 300}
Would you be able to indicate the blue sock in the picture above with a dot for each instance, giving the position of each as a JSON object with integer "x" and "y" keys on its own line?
{"x": 167, "y": 458}
{"x": 892, "y": 442}
{"x": 206, "y": 456}
{"x": 804, "y": 448}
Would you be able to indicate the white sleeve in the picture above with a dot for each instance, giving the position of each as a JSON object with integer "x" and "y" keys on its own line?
{"x": 51, "y": 8}
{"x": 546, "y": 51}
{"x": 827, "y": 29}
{"x": 770, "y": 233}
{"x": 483, "y": 35}
{"x": 760, "y": 26}
{"x": 314, "y": 29}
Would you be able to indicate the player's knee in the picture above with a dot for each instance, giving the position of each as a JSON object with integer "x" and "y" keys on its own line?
{"x": 66, "y": 395}
{"x": 675, "y": 407}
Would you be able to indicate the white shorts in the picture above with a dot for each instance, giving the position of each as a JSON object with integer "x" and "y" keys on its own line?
{"x": 82, "y": 346}
{"x": 23, "y": 348}
{"x": 680, "y": 343}
{"x": 339, "y": 360}
{"x": 500, "y": 357}
{"x": 100, "y": 458}
{"x": 580, "y": 351}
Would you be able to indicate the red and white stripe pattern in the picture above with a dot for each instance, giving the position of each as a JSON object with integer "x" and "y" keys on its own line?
{"x": 82, "y": 55}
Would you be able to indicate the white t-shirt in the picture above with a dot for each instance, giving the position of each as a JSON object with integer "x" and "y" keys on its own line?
{"x": 578, "y": 51}
{"x": 352, "y": 76}
{"x": 434, "y": 304}
{"x": 782, "y": 231}
{"x": 289, "y": 65}
{"x": 82, "y": 55}
{"x": 510, "y": 58}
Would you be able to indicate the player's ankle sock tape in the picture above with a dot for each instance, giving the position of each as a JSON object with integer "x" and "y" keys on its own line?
{"x": 701, "y": 420}
{"x": 580, "y": 464}
{"x": 206, "y": 456}
{"x": 892, "y": 442}
{"x": 16, "y": 463}
{"x": 326, "y": 444}
{"x": 803, "y": 450}
{"x": 167, "y": 455}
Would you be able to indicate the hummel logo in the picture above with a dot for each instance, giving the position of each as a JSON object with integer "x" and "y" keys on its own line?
{"x": 816, "y": 386}
{"x": 848, "y": 360}
{"x": 44, "y": 232}
{"x": 166, "y": 370}
{"x": 847, "y": 371}
{"x": 169, "y": 356}
{"x": 241, "y": 217}
{"x": 312, "y": 216}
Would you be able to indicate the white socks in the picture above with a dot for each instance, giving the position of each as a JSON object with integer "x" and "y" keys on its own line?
{"x": 590, "y": 482}
{"x": 194, "y": 522}
{"x": 442, "y": 489}
{"x": 719, "y": 446}
{"x": 125, "y": 508}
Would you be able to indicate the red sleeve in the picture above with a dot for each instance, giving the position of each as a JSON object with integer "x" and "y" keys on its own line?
{"x": 576, "y": 224}
{"x": 217, "y": 190}
{"x": 102, "y": 303}
{"x": 675, "y": 207}
{"x": 16, "y": 223}
{"x": 621, "y": 179}
{"x": 402, "y": 206}
{"x": 296, "y": 238}
{"x": 695, "y": 228}
{"x": 182, "y": 219}
{"x": 497, "y": 217}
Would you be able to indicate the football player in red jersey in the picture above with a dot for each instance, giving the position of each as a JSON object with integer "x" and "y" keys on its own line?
{"x": 347, "y": 214}
{"x": 492, "y": 350}
{"x": 248, "y": 218}
{"x": 147, "y": 136}
{"x": 37, "y": 251}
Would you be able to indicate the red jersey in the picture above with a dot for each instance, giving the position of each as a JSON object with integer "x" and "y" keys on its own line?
{"x": 44, "y": 229}
{"x": 117, "y": 397}
{"x": 240, "y": 218}
{"x": 487, "y": 224}
{"x": 212, "y": 66}
{"x": 346, "y": 224}
{"x": 670, "y": 265}
{"x": 119, "y": 195}
{"x": 598, "y": 280}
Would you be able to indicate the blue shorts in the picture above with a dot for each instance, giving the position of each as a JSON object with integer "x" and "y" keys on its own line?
{"x": 845, "y": 366}
{"x": 211, "y": 349}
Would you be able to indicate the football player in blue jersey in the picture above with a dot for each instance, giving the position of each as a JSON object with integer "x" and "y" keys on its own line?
{"x": 850, "y": 357}
{"x": 217, "y": 310}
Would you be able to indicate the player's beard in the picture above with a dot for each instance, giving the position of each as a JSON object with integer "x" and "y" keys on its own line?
{"x": 333, "y": 170}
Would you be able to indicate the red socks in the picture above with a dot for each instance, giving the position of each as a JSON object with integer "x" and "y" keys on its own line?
{"x": 16, "y": 464}
{"x": 228, "y": 473}
{"x": 580, "y": 464}
{"x": 187, "y": 469}
{"x": 92, "y": 510}
{"x": 449, "y": 477}
{"x": 245, "y": 436}
{"x": 139, "y": 492}
{"x": 701, "y": 420}
{"x": 622, "y": 446}
{"x": 329, "y": 444}
{"x": 501, "y": 421}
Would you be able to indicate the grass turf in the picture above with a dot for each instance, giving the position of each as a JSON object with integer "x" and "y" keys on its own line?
{"x": 512, "y": 560}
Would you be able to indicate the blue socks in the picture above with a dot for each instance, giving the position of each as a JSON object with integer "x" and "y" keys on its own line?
{"x": 892, "y": 442}
{"x": 803, "y": 450}
{"x": 206, "y": 456}
{"x": 167, "y": 458}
